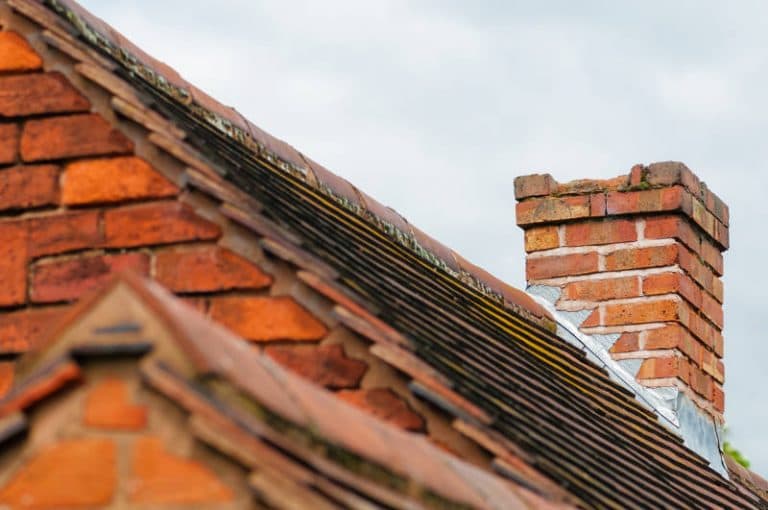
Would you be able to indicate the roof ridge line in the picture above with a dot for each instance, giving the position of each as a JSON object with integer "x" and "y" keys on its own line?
{"x": 303, "y": 168}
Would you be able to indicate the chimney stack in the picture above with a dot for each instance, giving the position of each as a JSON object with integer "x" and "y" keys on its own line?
{"x": 637, "y": 260}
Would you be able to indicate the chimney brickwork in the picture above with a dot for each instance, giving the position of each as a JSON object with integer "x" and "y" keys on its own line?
{"x": 638, "y": 259}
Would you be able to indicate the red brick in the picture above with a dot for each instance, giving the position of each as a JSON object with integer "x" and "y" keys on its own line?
{"x": 207, "y": 269}
{"x": 718, "y": 347}
{"x": 541, "y": 238}
{"x": 668, "y": 337}
{"x": 13, "y": 263}
{"x": 551, "y": 209}
{"x": 597, "y": 205}
{"x": 85, "y": 134}
{"x": 107, "y": 407}
{"x": 712, "y": 310}
{"x": 156, "y": 223}
{"x": 68, "y": 279}
{"x": 110, "y": 180}
{"x": 385, "y": 405}
{"x": 601, "y": 290}
{"x": 9, "y": 143}
{"x": 540, "y": 268}
{"x": 700, "y": 273}
{"x": 23, "y": 187}
{"x": 639, "y": 258}
{"x": 60, "y": 233}
{"x": 672, "y": 283}
{"x": 699, "y": 326}
{"x": 160, "y": 478}
{"x": 30, "y": 94}
{"x": 535, "y": 185}
{"x": 658, "y": 368}
{"x": 7, "y": 373}
{"x": 718, "y": 397}
{"x": 713, "y": 366}
{"x": 325, "y": 365}
{"x": 712, "y": 256}
{"x": 627, "y": 342}
{"x": 16, "y": 54}
{"x": 24, "y": 329}
{"x": 88, "y": 480}
{"x": 640, "y": 312}
{"x": 607, "y": 231}
{"x": 652, "y": 200}
{"x": 264, "y": 319}
{"x": 667, "y": 227}
{"x": 701, "y": 383}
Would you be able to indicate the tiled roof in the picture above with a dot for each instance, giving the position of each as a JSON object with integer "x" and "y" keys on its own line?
{"x": 276, "y": 421}
{"x": 481, "y": 350}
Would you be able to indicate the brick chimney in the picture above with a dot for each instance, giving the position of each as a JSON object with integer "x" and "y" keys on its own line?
{"x": 636, "y": 261}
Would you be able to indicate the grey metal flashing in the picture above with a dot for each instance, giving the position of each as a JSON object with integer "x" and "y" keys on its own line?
{"x": 674, "y": 409}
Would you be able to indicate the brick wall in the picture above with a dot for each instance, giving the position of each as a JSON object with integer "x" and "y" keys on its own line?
{"x": 77, "y": 205}
{"x": 640, "y": 257}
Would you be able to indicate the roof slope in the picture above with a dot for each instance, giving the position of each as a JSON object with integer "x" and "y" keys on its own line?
{"x": 264, "y": 416}
{"x": 538, "y": 397}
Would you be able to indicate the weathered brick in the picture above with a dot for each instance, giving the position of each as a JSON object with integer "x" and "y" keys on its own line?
{"x": 325, "y": 365}
{"x": 13, "y": 263}
{"x": 658, "y": 368}
{"x": 718, "y": 397}
{"x": 652, "y": 200}
{"x": 207, "y": 269}
{"x": 665, "y": 173}
{"x": 699, "y": 272}
{"x": 540, "y": 268}
{"x": 60, "y": 233}
{"x": 24, "y": 329}
{"x": 667, "y": 337}
{"x": 639, "y": 258}
{"x": 264, "y": 319}
{"x": 30, "y": 94}
{"x": 109, "y": 180}
{"x": 7, "y": 374}
{"x": 700, "y": 327}
{"x": 701, "y": 383}
{"x": 607, "y": 231}
{"x": 535, "y": 185}
{"x": 668, "y": 227}
{"x": 69, "y": 136}
{"x": 551, "y": 209}
{"x": 107, "y": 406}
{"x": 601, "y": 290}
{"x": 639, "y": 312}
{"x": 713, "y": 366}
{"x": 88, "y": 480}
{"x": 597, "y": 204}
{"x": 160, "y": 478}
{"x": 636, "y": 175}
{"x": 627, "y": 342}
{"x": 712, "y": 310}
{"x": 16, "y": 54}
{"x": 68, "y": 279}
{"x": 9, "y": 143}
{"x": 23, "y": 187}
{"x": 672, "y": 283}
{"x": 541, "y": 238}
{"x": 385, "y": 405}
{"x": 156, "y": 223}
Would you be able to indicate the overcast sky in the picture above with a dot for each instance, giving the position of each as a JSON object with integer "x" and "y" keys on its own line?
{"x": 433, "y": 107}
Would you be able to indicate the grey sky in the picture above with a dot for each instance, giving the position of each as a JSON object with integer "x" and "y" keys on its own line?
{"x": 433, "y": 107}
